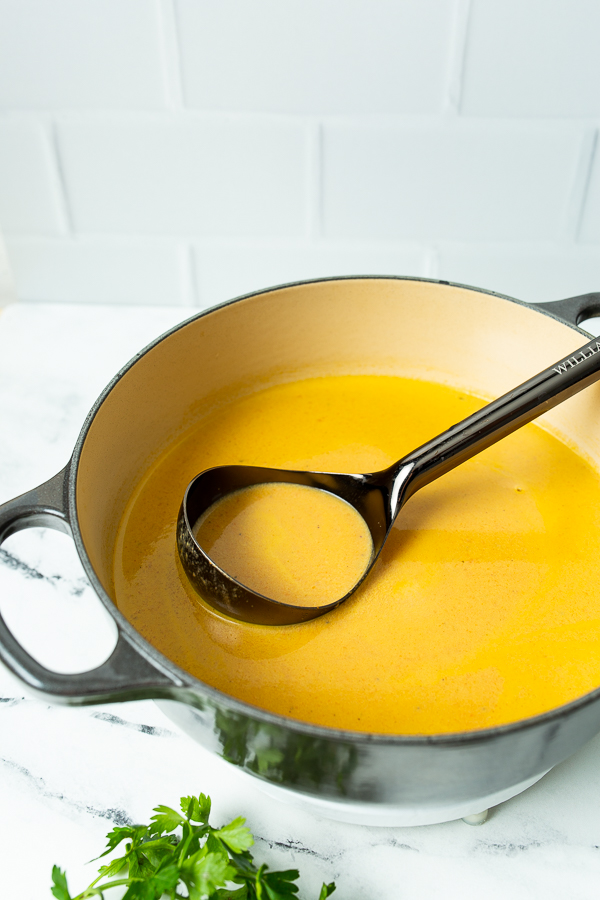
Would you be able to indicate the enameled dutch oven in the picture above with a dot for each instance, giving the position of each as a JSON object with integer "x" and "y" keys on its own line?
{"x": 472, "y": 339}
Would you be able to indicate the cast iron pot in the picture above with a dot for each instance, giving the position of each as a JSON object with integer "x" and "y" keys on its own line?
{"x": 473, "y": 339}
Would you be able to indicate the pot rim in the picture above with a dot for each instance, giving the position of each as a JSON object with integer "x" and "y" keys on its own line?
{"x": 191, "y": 685}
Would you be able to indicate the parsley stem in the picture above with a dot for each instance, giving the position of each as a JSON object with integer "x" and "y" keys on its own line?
{"x": 90, "y": 891}
{"x": 186, "y": 841}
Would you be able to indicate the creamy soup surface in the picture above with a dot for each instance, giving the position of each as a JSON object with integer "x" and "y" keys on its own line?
{"x": 482, "y": 609}
{"x": 291, "y": 543}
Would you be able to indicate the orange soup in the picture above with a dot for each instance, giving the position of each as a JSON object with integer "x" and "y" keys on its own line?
{"x": 482, "y": 609}
{"x": 291, "y": 543}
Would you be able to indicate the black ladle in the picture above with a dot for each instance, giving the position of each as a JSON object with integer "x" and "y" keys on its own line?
{"x": 377, "y": 496}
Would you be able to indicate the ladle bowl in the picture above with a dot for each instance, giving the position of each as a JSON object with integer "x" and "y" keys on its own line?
{"x": 377, "y": 496}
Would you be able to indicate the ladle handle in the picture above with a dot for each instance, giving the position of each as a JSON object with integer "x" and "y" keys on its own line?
{"x": 566, "y": 377}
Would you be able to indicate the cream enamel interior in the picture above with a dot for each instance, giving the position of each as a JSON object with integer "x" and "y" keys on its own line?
{"x": 457, "y": 336}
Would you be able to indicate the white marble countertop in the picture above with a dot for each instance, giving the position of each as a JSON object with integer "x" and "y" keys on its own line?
{"x": 68, "y": 775}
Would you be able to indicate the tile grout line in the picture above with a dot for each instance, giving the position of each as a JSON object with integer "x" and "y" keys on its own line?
{"x": 193, "y": 292}
{"x": 60, "y": 182}
{"x": 170, "y": 53}
{"x": 457, "y": 58}
{"x": 314, "y": 181}
{"x": 432, "y": 261}
{"x": 580, "y": 189}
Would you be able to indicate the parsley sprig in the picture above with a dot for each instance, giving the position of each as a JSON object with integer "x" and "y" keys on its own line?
{"x": 207, "y": 863}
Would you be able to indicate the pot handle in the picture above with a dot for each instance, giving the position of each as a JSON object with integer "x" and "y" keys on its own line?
{"x": 128, "y": 674}
{"x": 574, "y": 309}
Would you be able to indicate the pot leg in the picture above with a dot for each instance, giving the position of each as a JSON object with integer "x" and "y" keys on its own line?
{"x": 476, "y": 818}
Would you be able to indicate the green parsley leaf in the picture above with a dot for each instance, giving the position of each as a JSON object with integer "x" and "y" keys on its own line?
{"x": 173, "y": 854}
{"x": 113, "y": 868}
{"x": 134, "y": 866}
{"x": 244, "y": 863}
{"x": 159, "y": 851}
{"x": 237, "y": 894}
{"x": 276, "y": 885}
{"x": 165, "y": 820}
{"x": 118, "y": 834}
{"x": 214, "y": 845}
{"x": 236, "y": 835}
{"x": 60, "y": 889}
{"x": 141, "y": 890}
{"x": 166, "y": 878}
{"x": 197, "y": 809}
{"x": 211, "y": 873}
{"x": 161, "y": 882}
{"x": 207, "y": 870}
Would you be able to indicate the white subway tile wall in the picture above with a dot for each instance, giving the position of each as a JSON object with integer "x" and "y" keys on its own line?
{"x": 533, "y": 58}
{"x": 101, "y": 270}
{"x": 30, "y": 199}
{"x": 311, "y": 57}
{"x": 531, "y": 273}
{"x": 210, "y": 178}
{"x": 590, "y": 225}
{"x": 187, "y": 151}
{"x": 458, "y": 180}
{"x": 65, "y": 54}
